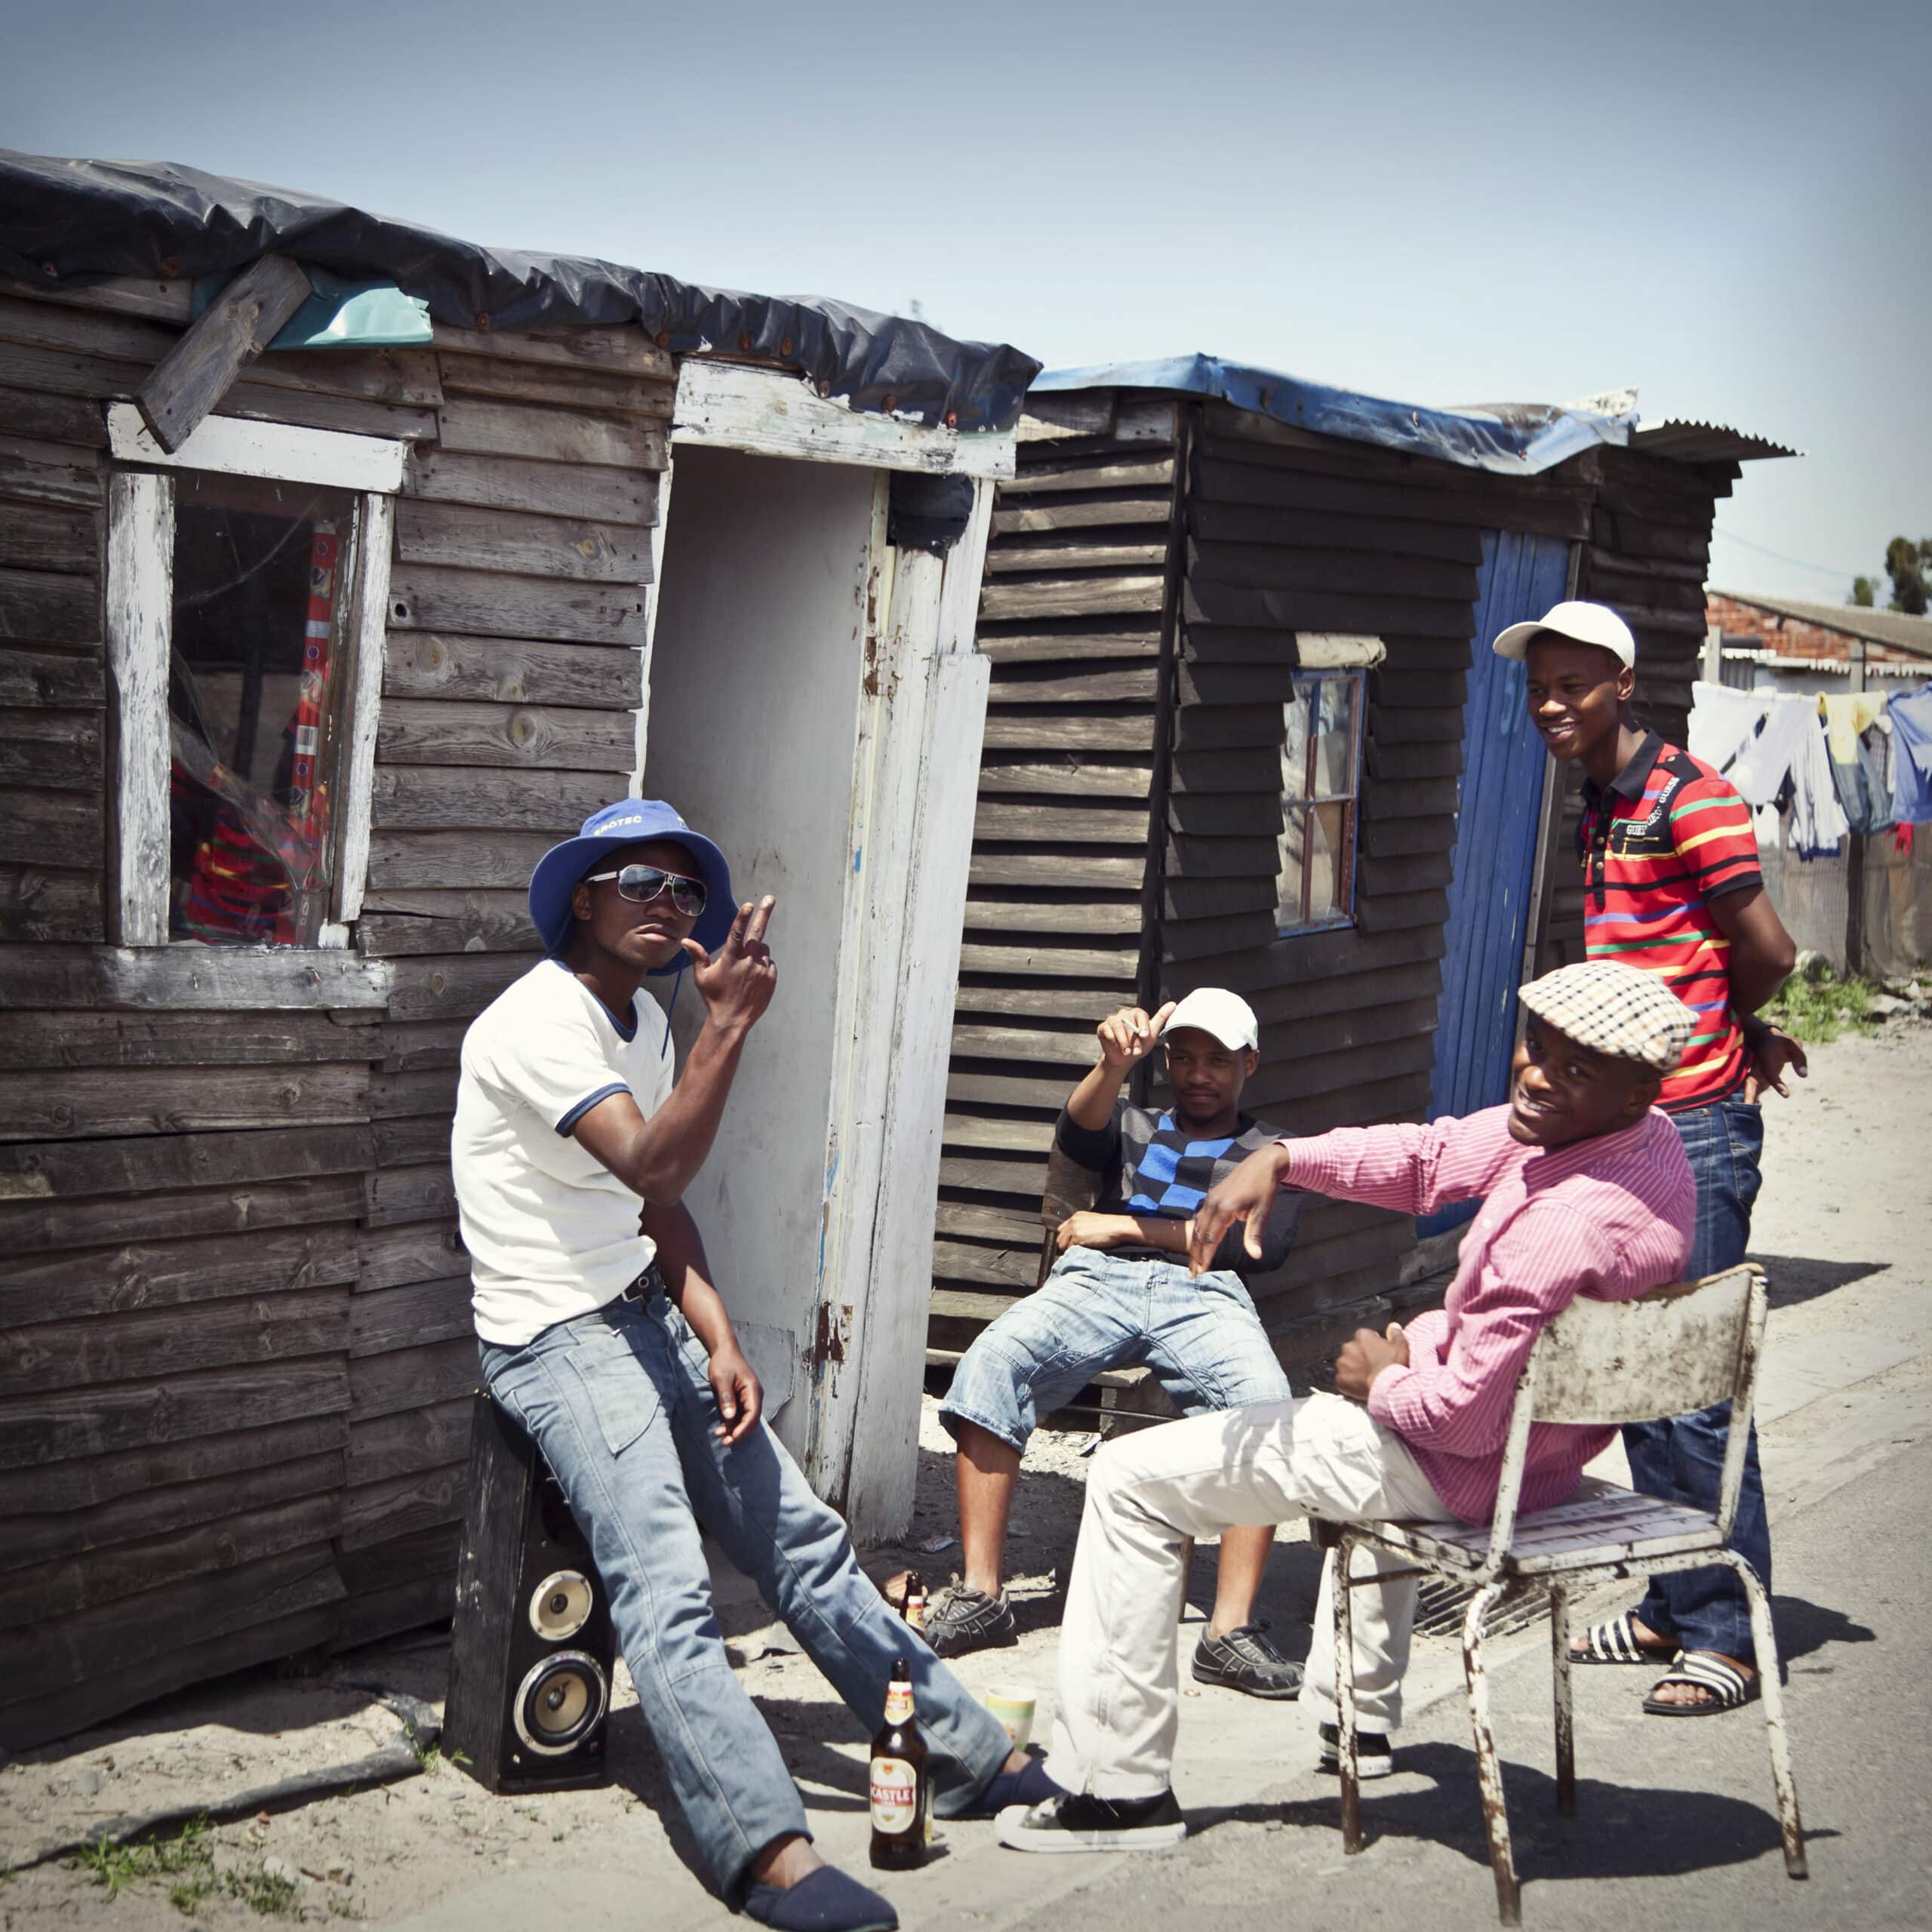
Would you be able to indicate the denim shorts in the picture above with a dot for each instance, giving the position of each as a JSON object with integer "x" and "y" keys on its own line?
{"x": 1200, "y": 1336}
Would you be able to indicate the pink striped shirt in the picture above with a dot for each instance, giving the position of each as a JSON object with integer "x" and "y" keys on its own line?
{"x": 1609, "y": 1217}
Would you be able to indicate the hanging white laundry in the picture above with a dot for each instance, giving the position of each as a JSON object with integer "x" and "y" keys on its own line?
{"x": 1723, "y": 721}
{"x": 1725, "y": 732}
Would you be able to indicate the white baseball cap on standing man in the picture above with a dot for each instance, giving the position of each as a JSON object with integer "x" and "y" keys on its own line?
{"x": 1581, "y": 622}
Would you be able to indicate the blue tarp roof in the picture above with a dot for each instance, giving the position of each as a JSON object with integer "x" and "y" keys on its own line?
{"x": 1509, "y": 439}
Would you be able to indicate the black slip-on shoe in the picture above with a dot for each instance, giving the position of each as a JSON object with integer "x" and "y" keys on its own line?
{"x": 1246, "y": 1660}
{"x": 826, "y": 1900}
{"x": 961, "y": 1619}
{"x": 1375, "y": 1756}
{"x": 1077, "y": 1821}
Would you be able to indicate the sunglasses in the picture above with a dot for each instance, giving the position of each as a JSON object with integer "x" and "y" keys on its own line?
{"x": 642, "y": 884}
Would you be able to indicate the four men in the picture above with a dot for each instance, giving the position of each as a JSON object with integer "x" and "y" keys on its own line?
{"x": 1625, "y": 1157}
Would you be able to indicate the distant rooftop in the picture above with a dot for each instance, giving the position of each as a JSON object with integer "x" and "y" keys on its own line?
{"x": 1888, "y": 627}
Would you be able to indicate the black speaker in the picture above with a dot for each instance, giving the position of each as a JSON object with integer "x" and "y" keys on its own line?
{"x": 531, "y": 1649}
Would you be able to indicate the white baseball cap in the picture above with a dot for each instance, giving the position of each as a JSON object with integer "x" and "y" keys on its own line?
{"x": 1214, "y": 1009}
{"x": 1583, "y": 623}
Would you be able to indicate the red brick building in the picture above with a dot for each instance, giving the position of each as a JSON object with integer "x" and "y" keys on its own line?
{"x": 1828, "y": 637}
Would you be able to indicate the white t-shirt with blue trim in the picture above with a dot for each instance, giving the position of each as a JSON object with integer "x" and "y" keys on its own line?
{"x": 551, "y": 1232}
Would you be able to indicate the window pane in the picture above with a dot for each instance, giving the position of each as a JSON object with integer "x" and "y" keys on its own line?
{"x": 1335, "y": 749}
{"x": 1314, "y": 874}
{"x": 254, "y": 694}
{"x": 1319, "y": 746}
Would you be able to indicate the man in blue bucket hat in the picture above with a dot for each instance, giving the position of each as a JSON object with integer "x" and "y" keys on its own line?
{"x": 603, "y": 1333}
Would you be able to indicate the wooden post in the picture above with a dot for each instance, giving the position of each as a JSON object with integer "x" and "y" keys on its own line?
{"x": 1854, "y": 855}
{"x": 237, "y": 325}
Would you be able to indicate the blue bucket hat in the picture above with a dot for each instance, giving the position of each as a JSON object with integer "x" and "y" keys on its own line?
{"x": 628, "y": 822}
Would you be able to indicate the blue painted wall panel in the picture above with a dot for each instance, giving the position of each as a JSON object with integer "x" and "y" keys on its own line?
{"x": 1500, "y": 796}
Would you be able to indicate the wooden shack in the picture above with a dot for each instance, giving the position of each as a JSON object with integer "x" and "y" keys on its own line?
{"x": 1245, "y": 729}
{"x": 305, "y": 656}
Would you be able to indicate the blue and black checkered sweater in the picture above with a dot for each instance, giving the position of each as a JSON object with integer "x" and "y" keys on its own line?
{"x": 1153, "y": 1165}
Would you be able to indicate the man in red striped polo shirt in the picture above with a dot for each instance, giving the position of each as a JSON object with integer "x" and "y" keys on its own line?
{"x": 1672, "y": 884}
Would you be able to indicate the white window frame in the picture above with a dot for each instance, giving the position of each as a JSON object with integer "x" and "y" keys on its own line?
{"x": 1350, "y": 674}
{"x": 140, "y": 574}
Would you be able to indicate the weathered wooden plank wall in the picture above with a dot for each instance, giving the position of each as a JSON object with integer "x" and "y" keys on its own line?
{"x": 235, "y": 1342}
{"x": 1070, "y": 616}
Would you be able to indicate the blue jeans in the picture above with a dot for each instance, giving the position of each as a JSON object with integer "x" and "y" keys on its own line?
{"x": 1201, "y": 1337}
{"x": 1682, "y": 1459}
{"x": 618, "y": 1403}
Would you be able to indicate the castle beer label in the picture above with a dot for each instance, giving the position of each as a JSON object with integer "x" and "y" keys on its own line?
{"x": 898, "y": 1703}
{"x": 894, "y": 1794}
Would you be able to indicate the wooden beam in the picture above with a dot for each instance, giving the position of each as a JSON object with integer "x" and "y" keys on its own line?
{"x": 140, "y": 576}
{"x": 336, "y": 459}
{"x": 767, "y": 412}
{"x": 236, "y": 327}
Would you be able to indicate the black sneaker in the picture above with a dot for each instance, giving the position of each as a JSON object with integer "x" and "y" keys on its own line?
{"x": 960, "y": 1619}
{"x": 1245, "y": 1659}
{"x": 1076, "y": 1821}
{"x": 1375, "y": 1757}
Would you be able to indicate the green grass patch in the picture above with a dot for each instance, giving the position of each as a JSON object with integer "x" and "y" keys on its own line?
{"x": 185, "y": 1866}
{"x": 1817, "y": 1011}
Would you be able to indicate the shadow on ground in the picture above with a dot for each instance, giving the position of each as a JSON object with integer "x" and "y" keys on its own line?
{"x": 1793, "y": 1278}
{"x": 1619, "y": 1831}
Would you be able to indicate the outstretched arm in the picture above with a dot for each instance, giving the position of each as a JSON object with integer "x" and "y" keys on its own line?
{"x": 687, "y": 1272}
{"x": 658, "y": 1158}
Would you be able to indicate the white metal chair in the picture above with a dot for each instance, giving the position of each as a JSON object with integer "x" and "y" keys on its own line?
{"x": 1671, "y": 1351}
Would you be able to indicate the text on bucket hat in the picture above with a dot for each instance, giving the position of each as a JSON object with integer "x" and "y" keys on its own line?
{"x": 1581, "y": 622}
{"x": 1214, "y": 1009}
{"x": 608, "y": 829}
{"x": 1613, "y": 1009}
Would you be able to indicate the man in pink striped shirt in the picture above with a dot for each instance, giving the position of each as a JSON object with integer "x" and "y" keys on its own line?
{"x": 1586, "y": 1190}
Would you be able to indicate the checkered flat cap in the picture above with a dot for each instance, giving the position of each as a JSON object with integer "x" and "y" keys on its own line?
{"x": 1613, "y": 1009}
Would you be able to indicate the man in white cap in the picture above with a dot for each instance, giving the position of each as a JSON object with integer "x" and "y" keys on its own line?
{"x": 1671, "y": 884}
{"x": 1120, "y": 1295}
{"x": 1585, "y": 1190}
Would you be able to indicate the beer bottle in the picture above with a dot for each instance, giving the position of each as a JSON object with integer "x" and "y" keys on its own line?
{"x": 914, "y": 1608}
{"x": 901, "y": 1787}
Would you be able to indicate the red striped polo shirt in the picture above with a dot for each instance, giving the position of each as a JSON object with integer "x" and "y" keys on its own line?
{"x": 1666, "y": 836}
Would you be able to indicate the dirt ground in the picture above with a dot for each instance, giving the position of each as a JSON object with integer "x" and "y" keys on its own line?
{"x": 1841, "y": 1227}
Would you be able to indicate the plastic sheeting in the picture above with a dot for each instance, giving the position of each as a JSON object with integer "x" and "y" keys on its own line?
{"x": 339, "y": 314}
{"x": 67, "y": 223}
{"x": 1512, "y": 439}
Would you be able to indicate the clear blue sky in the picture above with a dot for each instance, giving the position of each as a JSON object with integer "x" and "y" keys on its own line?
{"x": 1729, "y": 205}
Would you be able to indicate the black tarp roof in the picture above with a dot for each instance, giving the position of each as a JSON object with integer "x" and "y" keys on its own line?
{"x": 66, "y": 223}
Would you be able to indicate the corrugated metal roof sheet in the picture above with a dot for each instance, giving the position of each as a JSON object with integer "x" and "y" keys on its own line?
{"x": 1685, "y": 441}
{"x": 1891, "y": 627}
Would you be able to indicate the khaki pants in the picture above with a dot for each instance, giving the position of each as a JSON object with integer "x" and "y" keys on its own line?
{"x": 1118, "y": 1701}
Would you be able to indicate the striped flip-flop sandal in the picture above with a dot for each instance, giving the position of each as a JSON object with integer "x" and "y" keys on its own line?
{"x": 1728, "y": 1686}
{"x": 1616, "y": 1642}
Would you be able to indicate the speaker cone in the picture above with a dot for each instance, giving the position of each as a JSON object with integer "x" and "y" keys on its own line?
{"x": 560, "y": 1702}
{"x": 560, "y": 1605}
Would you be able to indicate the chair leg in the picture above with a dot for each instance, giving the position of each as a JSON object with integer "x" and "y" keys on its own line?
{"x": 1566, "y": 1734}
{"x": 1771, "y": 1681}
{"x": 1347, "y": 1751}
{"x": 1489, "y": 1772}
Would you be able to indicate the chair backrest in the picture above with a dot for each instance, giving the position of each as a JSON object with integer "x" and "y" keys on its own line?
{"x": 1070, "y": 1187}
{"x": 1668, "y": 1352}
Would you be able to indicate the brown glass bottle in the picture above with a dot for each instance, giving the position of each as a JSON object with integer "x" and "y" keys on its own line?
{"x": 913, "y": 1610}
{"x": 900, "y": 1783}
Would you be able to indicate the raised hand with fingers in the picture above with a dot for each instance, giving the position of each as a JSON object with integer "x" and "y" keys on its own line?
{"x": 738, "y": 980}
{"x": 1247, "y": 1195}
{"x": 1127, "y": 1036}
